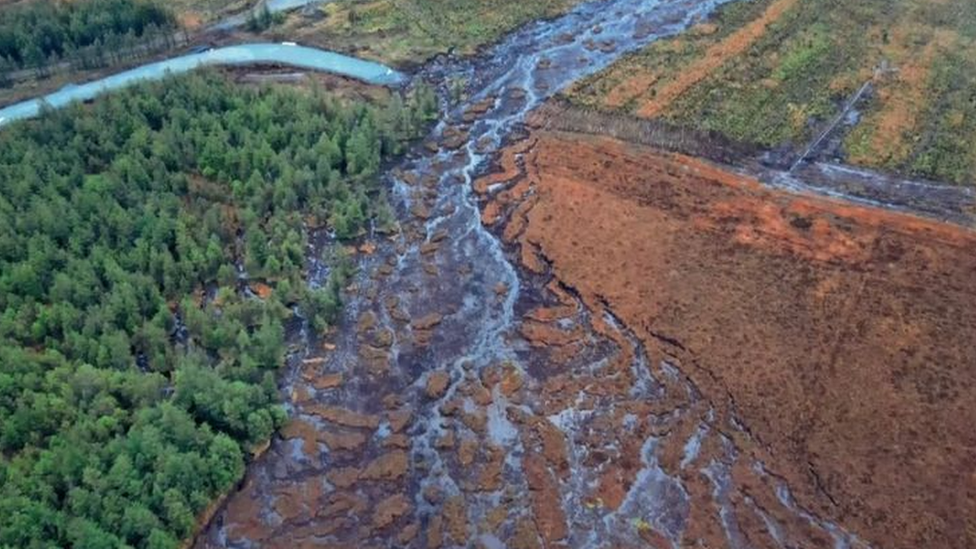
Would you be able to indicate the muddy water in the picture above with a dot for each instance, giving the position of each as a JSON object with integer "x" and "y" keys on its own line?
{"x": 465, "y": 402}
{"x": 951, "y": 203}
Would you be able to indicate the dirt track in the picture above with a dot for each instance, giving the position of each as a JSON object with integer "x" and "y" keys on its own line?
{"x": 839, "y": 338}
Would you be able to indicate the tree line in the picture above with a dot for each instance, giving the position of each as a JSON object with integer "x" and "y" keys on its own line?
{"x": 89, "y": 32}
{"x": 136, "y": 371}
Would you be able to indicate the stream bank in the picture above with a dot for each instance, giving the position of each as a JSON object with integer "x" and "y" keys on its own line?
{"x": 463, "y": 400}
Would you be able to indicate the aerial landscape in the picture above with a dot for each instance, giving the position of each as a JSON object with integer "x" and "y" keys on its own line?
{"x": 520, "y": 274}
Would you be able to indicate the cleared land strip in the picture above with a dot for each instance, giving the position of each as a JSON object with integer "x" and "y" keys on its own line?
{"x": 715, "y": 57}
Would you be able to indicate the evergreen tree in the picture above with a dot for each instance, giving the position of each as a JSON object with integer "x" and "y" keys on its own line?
{"x": 136, "y": 373}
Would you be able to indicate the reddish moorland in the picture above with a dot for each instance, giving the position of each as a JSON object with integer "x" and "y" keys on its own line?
{"x": 843, "y": 338}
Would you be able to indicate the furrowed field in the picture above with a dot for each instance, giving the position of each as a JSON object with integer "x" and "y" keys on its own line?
{"x": 773, "y": 72}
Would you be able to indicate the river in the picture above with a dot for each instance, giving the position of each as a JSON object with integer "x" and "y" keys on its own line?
{"x": 433, "y": 417}
{"x": 243, "y": 54}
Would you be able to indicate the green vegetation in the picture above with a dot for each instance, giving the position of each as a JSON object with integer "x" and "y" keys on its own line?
{"x": 194, "y": 14}
{"x": 659, "y": 60}
{"x": 262, "y": 19}
{"x": 947, "y": 138}
{"x": 772, "y": 72}
{"x": 791, "y": 73}
{"x": 411, "y": 31}
{"x": 923, "y": 120}
{"x": 37, "y": 34}
{"x": 119, "y": 220}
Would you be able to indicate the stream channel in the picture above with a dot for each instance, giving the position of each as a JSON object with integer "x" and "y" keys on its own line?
{"x": 428, "y": 419}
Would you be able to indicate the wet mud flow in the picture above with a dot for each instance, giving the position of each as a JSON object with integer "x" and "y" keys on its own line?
{"x": 465, "y": 401}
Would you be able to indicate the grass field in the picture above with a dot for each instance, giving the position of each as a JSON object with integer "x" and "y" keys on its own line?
{"x": 410, "y": 31}
{"x": 770, "y": 72}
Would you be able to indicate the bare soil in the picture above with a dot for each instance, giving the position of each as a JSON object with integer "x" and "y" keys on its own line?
{"x": 839, "y": 337}
{"x": 717, "y": 55}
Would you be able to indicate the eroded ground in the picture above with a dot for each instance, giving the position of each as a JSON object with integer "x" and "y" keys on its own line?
{"x": 832, "y": 345}
{"x": 619, "y": 350}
